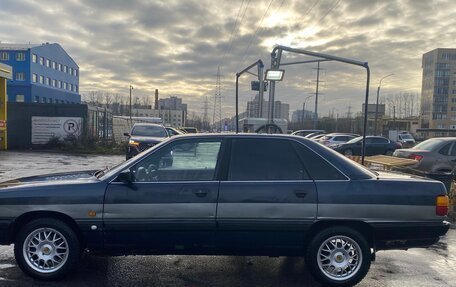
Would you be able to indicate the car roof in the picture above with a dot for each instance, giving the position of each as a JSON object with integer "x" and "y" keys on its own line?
{"x": 147, "y": 124}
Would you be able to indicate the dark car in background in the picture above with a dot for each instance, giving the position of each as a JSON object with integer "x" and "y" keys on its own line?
{"x": 374, "y": 145}
{"x": 189, "y": 130}
{"x": 228, "y": 195}
{"x": 306, "y": 133}
{"x": 173, "y": 131}
{"x": 433, "y": 155}
{"x": 144, "y": 136}
{"x": 336, "y": 138}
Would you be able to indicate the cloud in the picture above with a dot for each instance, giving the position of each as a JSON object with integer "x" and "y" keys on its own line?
{"x": 176, "y": 46}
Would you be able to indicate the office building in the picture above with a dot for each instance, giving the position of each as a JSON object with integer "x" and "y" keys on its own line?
{"x": 42, "y": 73}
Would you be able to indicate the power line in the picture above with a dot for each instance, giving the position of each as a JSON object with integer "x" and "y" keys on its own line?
{"x": 234, "y": 28}
{"x": 324, "y": 16}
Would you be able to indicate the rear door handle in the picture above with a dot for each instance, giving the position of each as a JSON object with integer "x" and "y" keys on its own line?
{"x": 300, "y": 193}
{"x": 201, "y": 192}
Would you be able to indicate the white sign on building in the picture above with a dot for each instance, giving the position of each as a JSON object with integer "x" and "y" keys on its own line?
{"x": 45, "y": 128}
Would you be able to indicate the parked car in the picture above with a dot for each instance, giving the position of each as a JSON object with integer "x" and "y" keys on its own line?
{"x": 144, "y": 136}
{"x": 374, "y": 145}
{"x": 229, "y": 196}
{"x": 304, "y": 133}
{"x": 433, "y": 155}
{"x": 189, "y": 130}
{"x": 173, "y": 132}
{"x": 316, "y": 137}
{"x": 332, "y": 139}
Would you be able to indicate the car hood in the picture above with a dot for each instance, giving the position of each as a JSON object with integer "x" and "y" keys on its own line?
{"x": 50, "y": 179}
{"x": 143, "y": 139}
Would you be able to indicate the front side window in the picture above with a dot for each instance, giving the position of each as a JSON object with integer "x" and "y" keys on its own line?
{"x": 190, "y": 160}
{"x": 20, "y": 56}
{"x": 264, "y": 159}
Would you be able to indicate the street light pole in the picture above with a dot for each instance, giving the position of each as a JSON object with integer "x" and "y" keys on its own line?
{"x": 131, "y": 88}
{"x": 376, "y": 105}
{"x": 304, "y": 109}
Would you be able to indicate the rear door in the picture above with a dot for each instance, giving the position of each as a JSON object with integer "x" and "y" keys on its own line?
{"x": 267, "y": 202}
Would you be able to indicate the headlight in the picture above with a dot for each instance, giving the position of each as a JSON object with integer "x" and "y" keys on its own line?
{"x": 132, "y": 142}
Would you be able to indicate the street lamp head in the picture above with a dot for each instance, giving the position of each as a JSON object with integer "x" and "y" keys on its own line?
{"x": 274, "y": 75}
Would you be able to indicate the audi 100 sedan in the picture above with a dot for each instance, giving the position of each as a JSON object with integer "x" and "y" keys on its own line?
{"x": 228, "y": 194}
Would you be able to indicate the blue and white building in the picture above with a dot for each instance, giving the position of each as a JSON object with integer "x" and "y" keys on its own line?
{"x": 42, "y": 73}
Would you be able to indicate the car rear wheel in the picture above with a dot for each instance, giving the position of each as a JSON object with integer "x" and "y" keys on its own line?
{"x": 338, "y": 256}
{"x": 348, "y": 152}
{"x": 47, "y": 249}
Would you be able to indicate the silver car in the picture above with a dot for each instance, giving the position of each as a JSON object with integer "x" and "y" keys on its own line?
{"x": 433, "y": 155}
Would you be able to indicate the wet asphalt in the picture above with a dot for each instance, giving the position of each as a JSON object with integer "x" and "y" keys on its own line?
{"x": 434, "y": 266}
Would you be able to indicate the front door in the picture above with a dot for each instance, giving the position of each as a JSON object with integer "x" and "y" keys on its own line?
{"x": 170, "y": 206}
{"x": 267, "y": 201}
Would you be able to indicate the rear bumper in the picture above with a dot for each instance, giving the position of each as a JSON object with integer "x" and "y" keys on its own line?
{"x": 408, "y": 235}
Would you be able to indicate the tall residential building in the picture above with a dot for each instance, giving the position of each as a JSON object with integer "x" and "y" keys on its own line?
{"x": 172, "y": 103}
{"x": 281, "y": 110}
{"x": 438, "y": 91}
{"x": 43, "y": 73}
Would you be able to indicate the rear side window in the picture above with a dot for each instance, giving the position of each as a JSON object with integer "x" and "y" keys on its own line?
{"x": 444, "y": 150}
{"x": 379, "y": 140}
{"x": 265, "y": 159}
{"x": 318, "y": 168}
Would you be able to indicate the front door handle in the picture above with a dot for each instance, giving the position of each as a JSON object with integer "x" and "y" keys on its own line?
{"x": 201, "y": 192}
{"x": 300, "y": 193}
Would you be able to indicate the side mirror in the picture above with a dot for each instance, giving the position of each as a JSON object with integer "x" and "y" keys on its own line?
{"x": 125, "y": 176}
{"x": 126, "y": 134}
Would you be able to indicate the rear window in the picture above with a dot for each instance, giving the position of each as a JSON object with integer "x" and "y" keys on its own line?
{"x": 149, "y": 131}
{"x": 427, "y": 144}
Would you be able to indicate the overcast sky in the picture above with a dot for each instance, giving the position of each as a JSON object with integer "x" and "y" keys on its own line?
{"x": 176, "y": 46}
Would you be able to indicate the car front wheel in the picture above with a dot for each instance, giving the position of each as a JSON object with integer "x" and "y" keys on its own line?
{"x": 348, "y": 152}
{"x": 338, "y": 256}
{"x": 47, "y": 249}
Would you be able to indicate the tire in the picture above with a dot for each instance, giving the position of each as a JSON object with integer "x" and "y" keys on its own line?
{"x": 389, "y": 152}
{"x": 64, "y": 249}
{"x": 348, "y": 152}
{"x": 321, "y": 268}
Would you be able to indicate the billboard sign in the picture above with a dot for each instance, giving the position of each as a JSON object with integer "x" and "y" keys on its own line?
{"x": 45, "y": 128}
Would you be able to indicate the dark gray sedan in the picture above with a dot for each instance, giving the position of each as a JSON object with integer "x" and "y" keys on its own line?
{"x": 225, "y": 195}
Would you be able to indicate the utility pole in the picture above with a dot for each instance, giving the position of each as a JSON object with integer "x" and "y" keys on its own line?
{"x": 205, "y": 109}
{"x": 316, "y": 96}
{"x": 376, "y": 105}
{"x": 131, "y": 88}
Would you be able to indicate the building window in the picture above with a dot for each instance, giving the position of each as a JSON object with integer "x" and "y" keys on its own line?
{"x": 50, "y": 100}
{"x": 20, "y": 56}
{"x": 76, "y": 88}
{"x": 60, "y": 84}
{"x": 41, "y": 79}
{"x": 20, "y": 98}
{"x": 76, "y": 72}
{"x": 71, "y": 71}
{"x": 64, "y": 85}
{"x": 71, "y": 87}
{"x": 20, "y": 76}
{"x": 48, "y": 81}
{"x": 54, "y": 83}
{"x": 53, "y": 65}
{"x": 43, "y": 100}
{"x": 34, "y": 58}
{"x": 37, "y": 99}
{"x": 4, "y": 56}
{"x": 41, "y": 61}
{"x": 65, "y": 69}
{"x": 34, "y": 78}
{"x": 48, "y": 63}
{"x": 59, "y": 67}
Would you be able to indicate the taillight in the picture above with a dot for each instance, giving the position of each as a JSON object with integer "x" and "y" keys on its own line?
{"x": 441, "y": 205}
{"x": 415, "y": 157}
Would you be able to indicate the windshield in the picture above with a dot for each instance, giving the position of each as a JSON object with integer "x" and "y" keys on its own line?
{"x": 149, "y": 131}
{"x": 355, "y": 140}
{"x": 406, "y": 137}
{"x": 429, "y": 144}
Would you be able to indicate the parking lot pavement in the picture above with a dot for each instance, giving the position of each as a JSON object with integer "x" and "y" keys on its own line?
{"x": 434, "y": 266}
